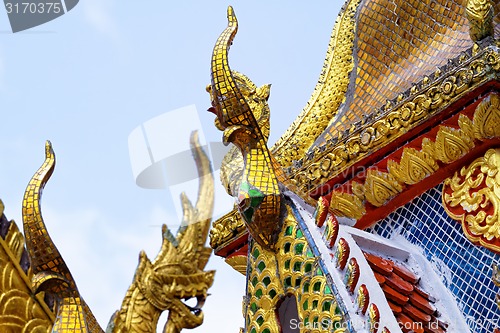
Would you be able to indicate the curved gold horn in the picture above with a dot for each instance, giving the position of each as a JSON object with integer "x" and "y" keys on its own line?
{"x": 50, "y": 272}
{"x": 227, "y": 98}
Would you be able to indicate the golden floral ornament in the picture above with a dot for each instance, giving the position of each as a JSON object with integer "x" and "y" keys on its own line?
{"x": 373, "y": 318}
{"x": 380, "y": 187}
{"x": 487, "y": 118}
{"x": 413, "y": 167}
{"x": 342, "y": 253}
{"x": 331, "y": 231}
{"x": 451, "y": 144}
{"x": 472, "y": 196}
{"x": 363, "y": 299}
{"x": 345, "y": 204}
{"x": 352, "y": 275}
{"x": 321, "y": 211}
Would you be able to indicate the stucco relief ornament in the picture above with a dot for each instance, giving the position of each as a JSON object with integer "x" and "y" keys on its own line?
{"x": 342, "y": 254}
{"x": 472, "y": 196}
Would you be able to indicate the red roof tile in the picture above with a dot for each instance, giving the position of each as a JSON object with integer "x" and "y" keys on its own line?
{"x": 411, "y": 305}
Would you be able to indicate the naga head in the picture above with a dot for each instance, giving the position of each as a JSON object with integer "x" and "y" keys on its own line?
{"x": 175, "y": 277}
{"x": 235, "y": 99}
{"x": 177, "y": 273}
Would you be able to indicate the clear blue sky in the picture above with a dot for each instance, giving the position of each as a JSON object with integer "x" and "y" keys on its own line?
{"x": 88, "y": 78}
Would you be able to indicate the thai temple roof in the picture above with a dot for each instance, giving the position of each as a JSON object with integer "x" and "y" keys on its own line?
{"x": 380, "y": 53}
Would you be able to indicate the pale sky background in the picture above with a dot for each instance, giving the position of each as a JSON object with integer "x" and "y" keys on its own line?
{"x": 87, "y": 79}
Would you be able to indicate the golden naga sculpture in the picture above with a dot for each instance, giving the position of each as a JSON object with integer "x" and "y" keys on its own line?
{"x": 177, "y": 272}
{"x": 174, "y": 276}
{"x": 243, "y": 114}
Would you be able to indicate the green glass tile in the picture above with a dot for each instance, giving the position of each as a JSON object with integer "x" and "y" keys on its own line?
{"x": 256, "y": 253}
{"x": 266, "y": 281}
{"x": 309, "y": 253}
{"x": 286, "y": 248}
{"x": 260, "y": 320}
{"x": 272, "y": 293}
{"x": 288, "y": 230}
{"x": 299, "y": 248}
{"x": 288, "y": 282}
{"x": 296, "y": 266}
{"x": 317, "y": 286}
{"x": 261, "y": 266}
{"x": 258, "y": 293}
{"x": 327, "y": 305}
{"x": 299, "y": 234}
{"x": 308, "y": 267}
{"x": 305, "y": 288}
{"x": 254, "y": 281}
{"x": 253, "y": 307}
{"x": 287, "y": 264}
{"x": 305, "y": 305}
{"x": 328, "y": 290}
{"x": 315, "y": 304}
{"x": 266, "y": 330}
{"x": 298, "y": 282}
{"x": 319, "y": 272}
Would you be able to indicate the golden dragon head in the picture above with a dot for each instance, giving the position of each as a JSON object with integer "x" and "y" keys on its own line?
{"x": 236, "y": 100}
{"x": 177, "y": 273}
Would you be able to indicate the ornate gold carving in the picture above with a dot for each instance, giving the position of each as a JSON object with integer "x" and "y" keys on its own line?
{"x": 239, "y": 263}
{"x": 373, "y": 318}
{"x": 342, "y": 253}
{"x": 473, "y": 198}
{"x": 321, "y": 211}
{"x": 451, "y": 144}
{"x": 238, "y": 104}
{"x": 345, "y": 204}
{"x": 487, "y": 118}
{"x": 425, "y": 101}
{"x": 293, "y": 270}
{"x": 328, "y": 94}
{"x": 480, "y": 16}
{"x": 331, "y": 231}
{"x": 352, "y": 275}
{"x": 226, "y": 228}
{"x": 413, "y": 167}
{"x": 363, "y": 299}
{"x": 20, "y": 310}
{"x": 380, "y": 187}
{"x": 177, "y": 272}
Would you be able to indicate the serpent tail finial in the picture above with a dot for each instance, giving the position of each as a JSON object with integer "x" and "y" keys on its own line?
{"x": 50, "y": 273}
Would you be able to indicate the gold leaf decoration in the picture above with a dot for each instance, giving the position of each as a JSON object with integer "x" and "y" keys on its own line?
{"x": 480, "y": 16}
{"x": 348, "y": 205}
{"x": 239, "y": 263}
{"x": 486, "y": 122}
{"x": 451, "y": 144}
{"x": 413, "y": 167}
{"x": 472, "y": 197}
{"x": 380, "y": 187}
